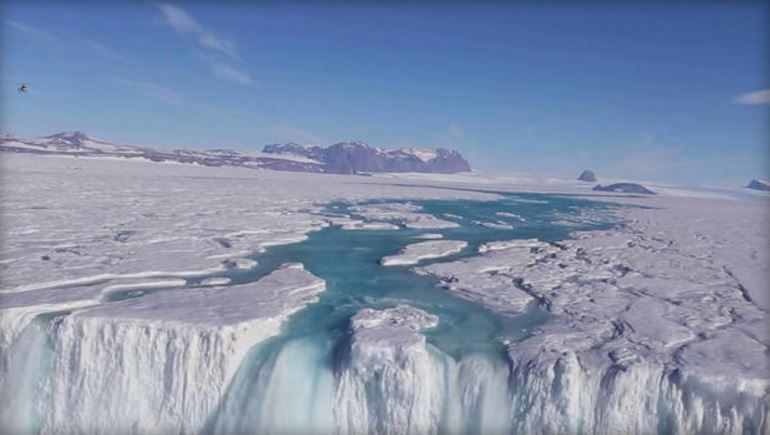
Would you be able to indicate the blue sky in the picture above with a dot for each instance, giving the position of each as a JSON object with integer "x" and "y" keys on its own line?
{"x": 667, "y": 93}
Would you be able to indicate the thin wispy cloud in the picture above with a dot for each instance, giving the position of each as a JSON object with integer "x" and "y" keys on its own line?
{"x": 230, "y": 73}
{"x": 208, "y": 40}
{"x": 184, "y": 23}
{"x": 29, "y": 30}
{"x": 179, "y": 20}
{"x": 218, "y": 48}
{"x": 754, "y": 98}
{"x": 92, "y": 47}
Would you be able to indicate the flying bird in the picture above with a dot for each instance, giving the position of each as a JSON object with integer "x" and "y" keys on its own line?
{"x": 23, "y": 88}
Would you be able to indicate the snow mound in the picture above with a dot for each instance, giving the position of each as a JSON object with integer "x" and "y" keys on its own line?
{"x": 406, "y": 214}
{"x": 416, "y": 252}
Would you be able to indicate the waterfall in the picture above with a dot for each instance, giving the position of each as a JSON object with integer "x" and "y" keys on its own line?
{"x": 70, "y": 375}
{"x": 23, "y": 385}
{"x": 282, "y": 388}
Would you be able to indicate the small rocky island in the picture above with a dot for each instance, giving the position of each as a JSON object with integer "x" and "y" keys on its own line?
{"x": 587, "y": 175}
{"x": 758, "y": 184}
{"x": 624, "y": 188}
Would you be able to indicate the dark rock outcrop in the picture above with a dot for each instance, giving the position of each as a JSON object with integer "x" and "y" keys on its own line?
{"x": 757, "y": 184}
{"x": 71, "y": 138}
{"x": 624, "y": 188}
{"x": 225, "y": 157}
{"x": 309, "y": 151}
{"x": 587, "y": 175}
{"x": 355, "y": 157}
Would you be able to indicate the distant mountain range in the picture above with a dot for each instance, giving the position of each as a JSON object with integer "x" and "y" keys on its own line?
{"x": 352, "y": 157}
{"x": 340, "y": 158}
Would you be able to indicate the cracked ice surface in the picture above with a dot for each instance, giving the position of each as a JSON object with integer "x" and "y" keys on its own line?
{"x": 660, "y": 322}
{"x": 659, "y": 325}
{"x": 78, "y": 231}
{"x": 487, "y": 278}
{"x": 414, "y": 253}
{"x": 69, "y": 222}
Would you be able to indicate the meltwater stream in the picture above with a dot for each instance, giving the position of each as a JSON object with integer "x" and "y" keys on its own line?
{"x": 292, "y": 383}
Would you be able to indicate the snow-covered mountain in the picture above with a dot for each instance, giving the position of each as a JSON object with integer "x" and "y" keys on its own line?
{"x": 587, "y": 175}
{"x": 69, "y": 142}
{"x": 340, "y": 158}
{"x": 353, "y": 157}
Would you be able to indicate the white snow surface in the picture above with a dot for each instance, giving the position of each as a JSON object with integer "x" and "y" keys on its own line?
{"x": 423, "y": 154}
{"x": 416, "y": 252}
{"x": 659, "y": 323}
{"x": 508, "y": 244}
{"x": 487, "y": 278}
{"x": 429, "y": 236}
{"x": 406, "y": 214}
{"x": 357, "y": 225}
{"x": 162, "y": 363}
{"x": 662, "y": 321}
{"x": 70, "y": 221}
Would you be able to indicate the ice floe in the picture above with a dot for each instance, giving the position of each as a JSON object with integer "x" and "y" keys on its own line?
{"x": 416, "y": 252}
{"x": 406, "y": 214}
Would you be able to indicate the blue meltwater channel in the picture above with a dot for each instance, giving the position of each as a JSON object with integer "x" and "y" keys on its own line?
{"x": 287, "y": 384}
